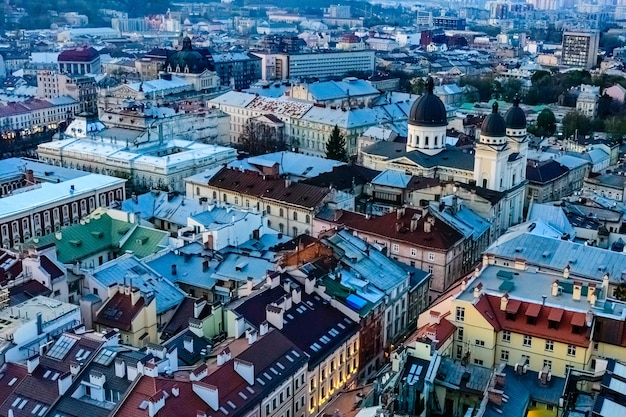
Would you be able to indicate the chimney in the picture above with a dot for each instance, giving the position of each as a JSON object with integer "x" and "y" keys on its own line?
{"x": 188, "y": 343}
{"x": 156, "y": 403}
{"x": 463, "y": 285}
{"x": 97, "y": 378}
{"x": 500, "y": 379}
{"x": 205, "y": 265}
{"x": 175, "y": 390}
{"x": 566, "y": 271}
{"x": 198, "y": 306}
{"x": 120, "y": 368}
{"x": 199, "y": 373}
{"x": 309, "y": 284}
{"x": 504, "y": 301}
{"x": 251, "y": 335}
{"x": 223, "y": 356}
{"x": 434, "y": 318}
{"x": 605, "y": 285}
{"x": 495, "y": 396}
{"x": 174, "y": 269}
{"x": 591, "y": 294}
{"x": 249, "y": 284}
{"x": 208, "y": 393}
{"x": 29, "y": 176}
{"x": 150, "y": 369}
{"x": 245, "y": 370}
{"x": 195, "y": 326}
{"x": 577, "y": 290}
{"x": 414, "y": 221}
{"x": 135, "y": 295}
{"x": 264, "y": 328}
{"x": 485, "y": 260}
{"x": 555, "y": 289}
{"x": 273, "y": 279}
{"x": 428, "y": 223}
{"x": 296, "y": 295}
{"x": 64, "y": 382}
{"x": 520, "y": 264}
{"x": 32, "y": 363}
{"x": 274, "y": 315}
{"x": 74, "y": 368}
{"x": 477, "y": 290}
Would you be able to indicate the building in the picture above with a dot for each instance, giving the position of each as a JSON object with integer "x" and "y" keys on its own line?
{"x": 326, "y": 335}
{"x": 192, "y": 66}
{"x": 289, "y": 206}
{"x": 580, "y": 49}
{"x": 498, "y": 163}
{"x": 35, "y": 115}
{"x": 83, "y": 60}
{"x": 38, "y": 198}
{"x": 237, "y": 69}
{"x": 448, "y": 22}
{"x": 147, "y": 162}
{"x": 31, "y": 324}
{"x": 303, "y": 66}
{"x": 82, "y": 88}
{"x": 588, "y": 100}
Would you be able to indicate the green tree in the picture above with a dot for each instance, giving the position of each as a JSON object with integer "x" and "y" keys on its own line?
{"x": 336, "y": 146}
{"x": 546, "y": 123}
{"x": 620, "y": 292}
{"x": 616, "y": 126}
{"x": 576, "y": 123}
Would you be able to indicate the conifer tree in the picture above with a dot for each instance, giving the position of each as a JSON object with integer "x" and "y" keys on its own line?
{"x": 336, "y": 146}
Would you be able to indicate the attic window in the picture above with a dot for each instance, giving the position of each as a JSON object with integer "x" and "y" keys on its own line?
{"x": 142, "y": 240}
{"x": 76, "y": 243}
{"x": 97, "y": 234}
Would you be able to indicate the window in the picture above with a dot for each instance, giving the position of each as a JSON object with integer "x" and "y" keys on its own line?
{"x": 547, "y": 364}
{"x": 413, "y": 252}
{"x": 95, "y": 291}
{"x": 225, "y": 198}
{"x": 506, "y": 336}
{"x": 307, "y": 219}
{"x": 295, "y": 216}
{"x": 295, "y": 231}
{"x": 459, "y": 332}
{"x": 460, "y": 314}
{"x": 478, "y": 361}
{"x": 480, "y": 342}
{"x": 571, "y": 350}
{"x": 431, "y": 256}
{"x": 504, "y": 355}
{"x": 281, "y": 212}
{"x": 269, "y": 210}
{"x": 568, "y": 368}
{"x": 395, "y": 248}
{"x": 236, "y": 200}
{"x": 550, "y": 345}
{"x": 528, "y": 340}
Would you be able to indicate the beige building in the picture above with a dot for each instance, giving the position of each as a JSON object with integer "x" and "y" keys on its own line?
{"x": 128, "y": 310}
{"x": 290, "y": 207}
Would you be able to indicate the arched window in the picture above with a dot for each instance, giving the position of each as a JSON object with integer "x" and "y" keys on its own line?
{"x": 426, "y": 141}
{"x": 281, "y": 212}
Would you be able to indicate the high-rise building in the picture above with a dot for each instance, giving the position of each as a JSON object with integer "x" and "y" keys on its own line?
{"x": 580, "y": 49}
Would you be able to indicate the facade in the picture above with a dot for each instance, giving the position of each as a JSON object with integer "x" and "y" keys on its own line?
{"x": 289, "y": 207}
{"x": 82, "y": 88}
{"x": 580, "y": 49}
{"x": 309, "y": 124}
{"x": 35, "y": 115}
{"x": 314, "y": 65}
{"x": 148, "y": 163}
{"x": 588, "y": 100}
{"x": 498, "y": 164}
{"x": 237, "y": 70}
{"x": 56, "y": 199}
{"x": 84, "y": 60}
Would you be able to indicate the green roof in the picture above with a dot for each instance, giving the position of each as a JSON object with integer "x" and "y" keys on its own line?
{"x": 101, "y": 234}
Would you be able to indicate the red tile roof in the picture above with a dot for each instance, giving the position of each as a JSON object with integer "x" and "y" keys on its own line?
{"x": 533, "y": 310}
{"x": 441, "y": 235}
{"x": 556, "y": 314}
{"x": 442, "y": 331}
{"x": 252, "y": 183}
{"x": 78, "y": 55}
{"x": 512, "y": 307}
{"x": 119, "y": 312}
{"x": 12, "y": 374}
{"x": 489, "y": 307}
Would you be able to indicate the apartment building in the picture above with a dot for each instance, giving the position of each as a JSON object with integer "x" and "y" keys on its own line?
{"x": 580, "y": 49}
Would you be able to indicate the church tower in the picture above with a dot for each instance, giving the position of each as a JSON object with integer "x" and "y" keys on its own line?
{"x": 492, "y": 153}
{"x": 427, "y": 123}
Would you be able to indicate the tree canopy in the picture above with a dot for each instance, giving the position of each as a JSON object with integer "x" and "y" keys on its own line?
{"x": 336, "y": 146}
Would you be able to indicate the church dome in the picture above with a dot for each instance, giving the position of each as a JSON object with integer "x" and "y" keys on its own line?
{"x": 428, "y": 110}
{"x": 515, "y": 118}
{"x": 494, "y": 124}
{"x": 186, "y": 60}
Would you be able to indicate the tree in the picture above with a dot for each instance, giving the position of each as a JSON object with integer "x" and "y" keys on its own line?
{"x": 620, "y": 292}
{"x": 336, "y": 146}
{"x": 259, "y": 138}
{"x": 576, "y": 123}
{"x": 546, "y": 123}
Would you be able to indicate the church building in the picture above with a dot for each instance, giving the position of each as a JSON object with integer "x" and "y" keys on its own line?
{"x": 498, "y": 162}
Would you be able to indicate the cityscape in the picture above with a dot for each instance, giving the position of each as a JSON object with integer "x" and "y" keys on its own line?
{"x": 362, "y": 208}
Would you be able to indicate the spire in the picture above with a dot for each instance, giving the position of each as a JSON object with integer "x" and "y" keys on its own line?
{"x": 430, "y": 85}
{"x": 494, "y": 107}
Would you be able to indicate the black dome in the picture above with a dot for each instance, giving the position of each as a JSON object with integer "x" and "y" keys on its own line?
{"x": 515, "y": 118}
{"x": 494, "y": 124}
{"x": 186, "y": 60}
{"x": 428, "y": 110}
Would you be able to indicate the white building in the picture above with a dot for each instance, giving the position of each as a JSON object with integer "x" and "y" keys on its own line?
{"x": 29, "y": 325}
{"x": 588, "y": 100}
{"x": 148, "y": 162}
